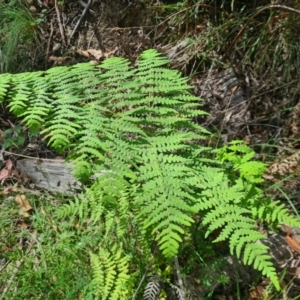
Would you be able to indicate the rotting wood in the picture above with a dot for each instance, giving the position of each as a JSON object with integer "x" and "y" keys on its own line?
{"x": 55, "y": 176}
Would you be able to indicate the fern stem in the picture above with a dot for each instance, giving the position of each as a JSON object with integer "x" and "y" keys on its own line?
{"x": 140, "y": 283}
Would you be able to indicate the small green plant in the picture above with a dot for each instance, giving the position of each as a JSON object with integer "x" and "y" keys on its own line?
{"x": 13, "y": 137}
{"x": 41, "y": 17}
{"x": 132, "y": 128}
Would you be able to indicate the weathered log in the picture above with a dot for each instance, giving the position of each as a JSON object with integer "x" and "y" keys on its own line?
{"x": 52, "y": 175}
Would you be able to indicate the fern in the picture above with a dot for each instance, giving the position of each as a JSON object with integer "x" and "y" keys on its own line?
{"x": 273, "y": 212}
{"x": 241, "y": 155}
{"x": 5, "y": 80}
{"x": 130, "y": 126}
{"x": 110, "y": 274}
{"x": 77, "y": 207}
{"x": 152, "y": 289}
{"x": 180, "y": 295}
{"x": 235, "y": 222}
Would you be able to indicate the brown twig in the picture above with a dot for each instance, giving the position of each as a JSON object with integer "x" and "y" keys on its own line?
{"x": 32, "y": 157}
{"x": 254, "y": 16}
{"x": 48, "y": 45}
{"x": 81, "y": 18}
{"x": 60, "y": 25}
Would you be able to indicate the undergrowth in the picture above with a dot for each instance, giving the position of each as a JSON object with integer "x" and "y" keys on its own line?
{"x": 258, "y": 39}
{"x": 18, "y": 36}
{"x": 131, "y": 127}
{"x": 41, "y": 257}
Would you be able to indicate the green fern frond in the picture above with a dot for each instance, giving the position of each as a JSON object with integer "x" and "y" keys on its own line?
{"x": 229, "y": 228}
{"x": 98, "y": 272}
{"x": 243, "y": 236}
{"x": 77, "y": 207}
{"x": 110, "y": 270}
{"x": 5, "y": 80}
{"x": 210, "y": 177}
{"x": 273, "y": 212}
{"x": 226, "y": 214}
{"x": 240, "y": 155}
{"x": 251, "y": 171}
{"x": 165, "y": 201}
{"x": 151, "y": 59}
{"x": 20, "y": 96}
{"x": 31, "y": 99}
{"x": 97, "y": 208}
{"x": 61, "y": 130}
{"x": 257, "y": 254}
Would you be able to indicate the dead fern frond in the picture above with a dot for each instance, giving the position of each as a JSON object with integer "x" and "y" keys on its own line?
{"x": 152, "y": 289}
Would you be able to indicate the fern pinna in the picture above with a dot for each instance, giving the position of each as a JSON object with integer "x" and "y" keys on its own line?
{"x": 132, "y": 128}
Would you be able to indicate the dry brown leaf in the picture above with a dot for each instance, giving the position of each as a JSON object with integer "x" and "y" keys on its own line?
{"x": 233, "y": 89}
{"x": 96, "y": 53}
{"x": 83, "y": 52}
{"x": 258, "y": 292}
{"x": 200, "y": 27}
{"x": 56, "y": 47}
{"x": 268, "y": 177}
{"x": 4, "y": 174}
{"x": 22, "y": 224}
{"x": 287, "y": 166}
{"x": 275, "y": 19}
{"x": 24, "y": 205}
{"x": 197, "y": 280}
{"x": 292, "y": 242}
{"x": 10, "y": 188}
{"x": 9, "y": 164}
{"x": 57, "y": 59}
{"x": 24, "y": 214}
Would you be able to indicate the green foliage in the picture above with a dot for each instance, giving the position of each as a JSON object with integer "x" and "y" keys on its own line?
{"x": 13, "y": 137}
{"x": 131, "y": 127}
{"x": 110, "y": 274}
{"x": 241, "y": 157}
{"x": 42, "y": 257}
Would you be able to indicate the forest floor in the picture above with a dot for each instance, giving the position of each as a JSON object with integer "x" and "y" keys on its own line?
{"x": 242, "y": 61}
